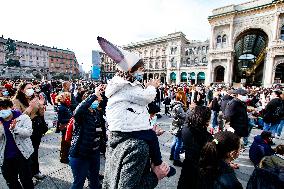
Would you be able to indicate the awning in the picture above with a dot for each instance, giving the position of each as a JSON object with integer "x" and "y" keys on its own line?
{"x": 173, "y": 76}
{"x": 184, "y": 76}
{"x": 192, "y": 75}
{"x": 201, "y": 75}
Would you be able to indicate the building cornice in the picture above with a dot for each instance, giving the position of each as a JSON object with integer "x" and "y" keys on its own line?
{"x": 236, "y": 9}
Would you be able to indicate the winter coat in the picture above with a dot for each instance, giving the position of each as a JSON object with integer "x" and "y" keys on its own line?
{"x": 127, "y": 164}
{"x": 179, "y": 117}
{"x": 85, "y": 138}
{"x": 126, "y": 109}
{"x": 193, "y": 141}
{"x": 226, "y": 179}
{"x": 36, "y": 111}
{"x": 225, "y": 101}
{"x": 64, "y": 114}
{"x": 21, "y": 134}
{"x": 266, "y": 178}
{"x": 274, "y": 111}
{"x": 215, "y": 105}
{"x": 259, "y": 149}
{"x": 236, "y": 114}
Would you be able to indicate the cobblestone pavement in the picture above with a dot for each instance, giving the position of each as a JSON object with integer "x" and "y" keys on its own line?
{"x": 59, "y": 175}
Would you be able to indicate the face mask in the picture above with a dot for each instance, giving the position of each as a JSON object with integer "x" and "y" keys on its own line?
{"x": 37, "y": 90}
{"x": 95, "y": 105}
{"x": 5, "y": 93}
{"x": 244, "y": 98}
{"x": 29, "y": 92}
{"x": 153, "y": 121}
{"x": 5, "y": 113}
{"x": 138, "y": 76}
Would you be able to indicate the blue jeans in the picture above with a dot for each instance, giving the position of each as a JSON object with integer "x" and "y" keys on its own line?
{"x": 83, "y": 168}
{"x": 214, "y": 116}
{"x": 250, "y": 126}
{"x": 176, "y": 147}
{"x": 280, "y": 128}
{"x": 272, "y": 127}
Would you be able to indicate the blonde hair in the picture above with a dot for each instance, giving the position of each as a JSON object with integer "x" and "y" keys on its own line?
{"x": 62, "y": 97}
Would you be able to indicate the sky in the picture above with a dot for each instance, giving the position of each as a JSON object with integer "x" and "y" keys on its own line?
{"x": 75, "y": 24}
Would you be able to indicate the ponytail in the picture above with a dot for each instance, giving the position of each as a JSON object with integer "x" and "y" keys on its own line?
{"x": 208, "y": 159}
{"x": 216, "y": 151}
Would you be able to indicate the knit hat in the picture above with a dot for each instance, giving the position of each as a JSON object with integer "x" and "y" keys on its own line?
{"x": 125, "y": 60}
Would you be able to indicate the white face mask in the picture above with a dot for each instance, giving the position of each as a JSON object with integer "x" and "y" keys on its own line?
{"x": 243, "y": 98}
{"x": 5, "y": 113}
{"x": 29, "y": 92}
{"x": 153, "y": 121}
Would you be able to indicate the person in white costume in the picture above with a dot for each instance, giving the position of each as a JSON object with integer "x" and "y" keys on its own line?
{"x": 128, "y": 99}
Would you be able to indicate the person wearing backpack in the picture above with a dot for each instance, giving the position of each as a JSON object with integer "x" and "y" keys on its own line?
{"x": 273, "y": 113}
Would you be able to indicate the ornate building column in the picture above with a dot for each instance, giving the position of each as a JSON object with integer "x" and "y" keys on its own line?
{"x": 209, "y": 72}
{"x": 268, "y": 69}
{"x": 228, "y": 72}
{"x": 178, "y": 76}
{"x": 212, "y": 38}
{"x": 231, "y": 35}
{"x": 276, "y": 24}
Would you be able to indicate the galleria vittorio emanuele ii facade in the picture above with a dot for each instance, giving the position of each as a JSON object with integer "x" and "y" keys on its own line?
{"x": 247, "y": 43}
{"x": 246, "y": 46}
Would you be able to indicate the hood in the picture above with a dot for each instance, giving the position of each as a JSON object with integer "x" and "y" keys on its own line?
{"x": 116, "y": 83}
{"x": 258, "y": 139}
{"x": 227, "y": 97}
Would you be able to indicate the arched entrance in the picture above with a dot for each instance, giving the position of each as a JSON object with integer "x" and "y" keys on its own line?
{"x": 156, "y": 76}
{"x": 250, "y": 51}
{"x": 173, "y": 77}
{"x": 219, "y": 74}
{"x": 163, "y": 78}
{"x": 183, "y": 77}
{"x": 200, "y": 78}
{"x": 192, "y": 78}
{"x": 279, "y": 73}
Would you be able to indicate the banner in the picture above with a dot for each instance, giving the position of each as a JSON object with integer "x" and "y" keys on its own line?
{"x": 96, "y": 64}
{"x": 96, "y": 72}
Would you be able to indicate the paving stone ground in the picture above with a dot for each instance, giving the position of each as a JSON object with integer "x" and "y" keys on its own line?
{"x": 59, "y": 176}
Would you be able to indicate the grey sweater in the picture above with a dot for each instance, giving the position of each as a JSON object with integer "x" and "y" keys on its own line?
{"x": 126, "y": 164}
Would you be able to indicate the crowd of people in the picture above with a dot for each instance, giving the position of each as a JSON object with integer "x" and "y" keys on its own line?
{"x": 119, "y": 121}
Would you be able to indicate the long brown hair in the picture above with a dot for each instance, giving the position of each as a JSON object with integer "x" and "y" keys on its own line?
{"x": 20, "y": 95}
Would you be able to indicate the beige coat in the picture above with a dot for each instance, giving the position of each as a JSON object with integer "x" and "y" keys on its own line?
{"x": 39, "y": 110}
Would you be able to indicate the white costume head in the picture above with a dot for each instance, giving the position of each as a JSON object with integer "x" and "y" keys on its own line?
{"x": 125, "y": 60}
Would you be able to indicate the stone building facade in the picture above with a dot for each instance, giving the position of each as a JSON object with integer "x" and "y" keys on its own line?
{"x": 63, "y": 62}
{"x": 247, "y": 43}
{"x": 38, "y": 60}
{"x": 108, "y": 67}
{"x": 173, "y": 58}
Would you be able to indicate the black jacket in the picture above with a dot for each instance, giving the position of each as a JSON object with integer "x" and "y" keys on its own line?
{"x": 236, "y": 114}
{"x": 215, "y": 105}
{"x": 193, "y": 141}
{"x": 85, "y": 138}
{"x": 273, "y": 111}
{"x": 226, "y": 179}
{"x": 64, "y": 114}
